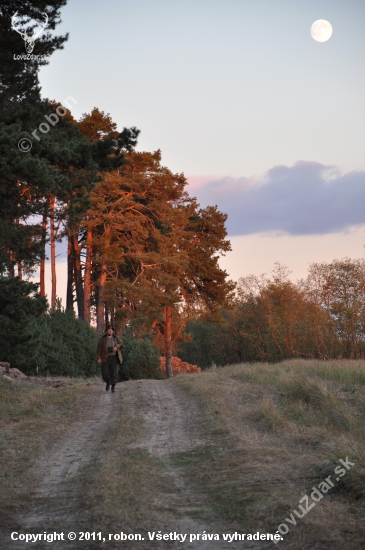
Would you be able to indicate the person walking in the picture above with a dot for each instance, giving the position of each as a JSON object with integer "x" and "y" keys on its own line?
{"x": 109, "y": 357}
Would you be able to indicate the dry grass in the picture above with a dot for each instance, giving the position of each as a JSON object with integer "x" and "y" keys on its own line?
{"x": 278, "y": 431}
{"x": 31, "y": 416}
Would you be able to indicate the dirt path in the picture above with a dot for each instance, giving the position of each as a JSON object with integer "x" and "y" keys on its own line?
{"x": 170, "y": 420}
{"x": 51, "y": 502}
{"x": 170, "y": 416}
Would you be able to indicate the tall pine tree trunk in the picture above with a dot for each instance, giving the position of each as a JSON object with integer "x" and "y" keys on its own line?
{"x": 70, "y": 278}
{"x": 168, "y": 342}
{"x": 100, "y": 308}
{"x": 42, "y": 286}
{"x": 18, "y": 262}
{"x": 11, "y": 264}
{"x": 53, "y": 252}
{"x": 78, "y": 274}
{"x": 87, "y": 278}
{"x": 106, "y": 315}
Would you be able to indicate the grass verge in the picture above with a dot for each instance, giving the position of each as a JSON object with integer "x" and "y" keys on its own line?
{"x": 277, "y": 431}
{"x": 32, "y": 416}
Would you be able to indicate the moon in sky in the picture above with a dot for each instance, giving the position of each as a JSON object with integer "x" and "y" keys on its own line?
{"x": 321, "y": 30}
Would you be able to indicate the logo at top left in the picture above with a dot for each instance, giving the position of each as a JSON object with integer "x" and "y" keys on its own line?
{"x": 29, "y": 39}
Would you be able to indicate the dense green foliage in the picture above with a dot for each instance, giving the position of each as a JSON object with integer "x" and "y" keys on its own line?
{"x": 67, "y": 346}
{"x": 20, "y": 307}
{"x": 54, "y": 343}
{"x": 34, "y": 341}
{"x": 57, "y": 343}
{"x": 204, "y": 347}
{"x": 19, "y": 77}
{"x": 141, "y": 358}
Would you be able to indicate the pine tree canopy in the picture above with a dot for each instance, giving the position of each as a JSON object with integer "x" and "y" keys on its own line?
{"x": 19, "y": 77}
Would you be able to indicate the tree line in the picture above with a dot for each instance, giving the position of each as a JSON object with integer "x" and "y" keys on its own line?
{"x": 272, "y": 318}
{"x": 141, "y": 252}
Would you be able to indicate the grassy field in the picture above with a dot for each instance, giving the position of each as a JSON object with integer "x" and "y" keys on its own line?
{"x": 278, "y": 431}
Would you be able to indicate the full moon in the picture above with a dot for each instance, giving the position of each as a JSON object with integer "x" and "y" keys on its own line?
{"x": 321, "y": 30}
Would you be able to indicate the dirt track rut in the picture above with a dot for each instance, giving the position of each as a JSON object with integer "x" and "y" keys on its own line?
{"x": 170, "y": 418}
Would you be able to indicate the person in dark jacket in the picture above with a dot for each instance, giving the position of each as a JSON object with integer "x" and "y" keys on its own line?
{"x": 109, "y": 357}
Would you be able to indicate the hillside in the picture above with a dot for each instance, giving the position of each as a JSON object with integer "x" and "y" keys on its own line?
{"x": 228, "y": 450}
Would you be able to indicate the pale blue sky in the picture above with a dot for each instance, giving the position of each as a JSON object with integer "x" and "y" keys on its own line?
{"x": 237, "y": 95}
{"x": 223, "y": 87}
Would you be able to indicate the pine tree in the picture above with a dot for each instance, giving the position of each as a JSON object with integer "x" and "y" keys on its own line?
{"x": 19, "y": 77}
{"x": 108, "y": 149}
{"x": 24, "y": 177}
{"x": 155, "y": 250}
{"x": 53, "y": 179}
